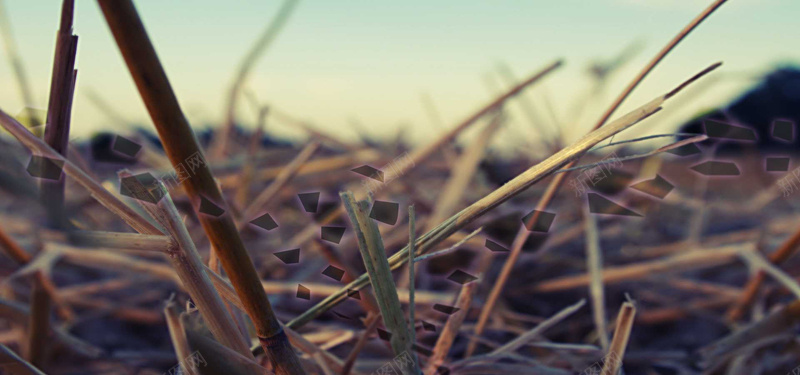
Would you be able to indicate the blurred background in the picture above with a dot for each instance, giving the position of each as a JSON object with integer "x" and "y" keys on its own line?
{"x": 372, "y": 68}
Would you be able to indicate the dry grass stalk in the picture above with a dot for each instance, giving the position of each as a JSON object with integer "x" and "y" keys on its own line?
{"x": 192, "y": 273}
{"x": 412, "y": 240}
{"x": 12, "y": 362}
{"x": 39, "y": 323}
{"x": 558, "y": 180}
{"x": 180, "y": 145}
{"x": 779, "y": 256}
{"x": 763, "y": 265}
{"x": 622, "y": 333}
{"x": 103, "y": 196}
{"x": 695, "y": 259}
{"x": 123, "y": 241}
{"x": 594, "y": 263}
{"x": 263, "y": 199}
{"x": 421, "y": 154}
{"x": 451, "y": 329}
{"x": 505, "y": 192}
{"x": 177, "y": 334}
{"x": 59, "y": 109}
{"x": 370, "y": 324}
{"x": 370, "y": 245}
{"x": 529, "y": 336}
{"x": 269, "y": 34}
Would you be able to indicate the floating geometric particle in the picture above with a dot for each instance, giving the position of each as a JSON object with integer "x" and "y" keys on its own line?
{"x": 494, "y": 246}
{"x": 303, "y": 292}
{"x": 719, "y": 129}
{"x": 209, "y": 208}
{"x": 334, "y": 273}
{"x": 333, "y": 234}
{"x": 265, "y": 221}
{"x": 143, "y": 187}
{"x": 541, "y": 223}
{"x": 366, "y": 170}
{"x": 777, "y": 164}
{"x": 613, "y": 181}
{"x": 353, "y": 294}
{"x": 461, "y": 277}
{"x": 384, "y": 334}
{"x": 716, "y": 168}
{"x": 783, "y": 130}
{"x": 601, "y": 205}
{"x": 288, "y": 256}
{"x": 385, "y": 212}
{"x": 428, "y": 326}
{"x": 46, "y": 168}
{"x": 445, "y": 309}
{"x": 422, "y": 350}
{"x": 441, "y": 370}
{"x": 685, "y": 150}
{"x": 657, "y": 187}
{"x": 126, "y": 146}
{"x": 310, "y": 201}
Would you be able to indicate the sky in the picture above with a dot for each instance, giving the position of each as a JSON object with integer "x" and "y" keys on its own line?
{"x": 362, "y": 67}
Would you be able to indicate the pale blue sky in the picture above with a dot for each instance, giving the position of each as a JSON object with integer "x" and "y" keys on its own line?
{"x": 372, "y": 60}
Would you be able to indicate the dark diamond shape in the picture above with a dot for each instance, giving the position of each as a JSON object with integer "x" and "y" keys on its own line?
{"x": 46, "y": 168}
{"x": 461, "y": 277}
{"x": 601, "y": 205}
{"x": 353, "y": 294}
{"x": 783, "y": 130}
{"x": 385, "y": 212}
{"x": 126, "y": 147}
{"x": 428, "y": 327}
{"x": 209, "y": 208}
{"x": 657, "y": 187}
{"x": 449, "y": 310}
{"x": 303, "y": 292}
{"x": 333, "y": 234}
{"x": 384, "y": 334}
{"x": 310, "y": 201}
{"x": 143, "y": 187}
{"x": 717, "y": 168}
{"x": 288, "y": 256}
{"x": 614, "y": 182}
{"x": 265, "y": 221}
{"x": 539, "y": 224}
{"x": 494, "y": 246}
{"x": 685, "y": 150}
{"x": 334, "y": 273}
{"x": 777, "y": 164}
{"x": 366, "y": 170}
{"x": 719, "y": 129}
{"x": 441, "y": 370}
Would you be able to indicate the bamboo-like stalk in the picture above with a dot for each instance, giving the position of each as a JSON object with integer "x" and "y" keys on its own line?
{"x": 594, "y": 263}
{"x": 223, "y": 138}
{"x": 451, "y": 329}
{"x": 622, "y": 333}
{"x": 502, "y": 194}
{"x": 180, "y": 145}
{"x": 39, "y": 324}
{"x": 370, "y": 245}
{"x": 412, "y": 240}
{"x": 177, "y": 334}
{"x": 558, "y": 180}
{"x": 192, "y": 273}
{"x": 59, "y": 109}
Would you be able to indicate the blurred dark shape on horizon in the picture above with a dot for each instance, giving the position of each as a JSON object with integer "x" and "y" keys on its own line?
{"x": 776, "y": 97}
